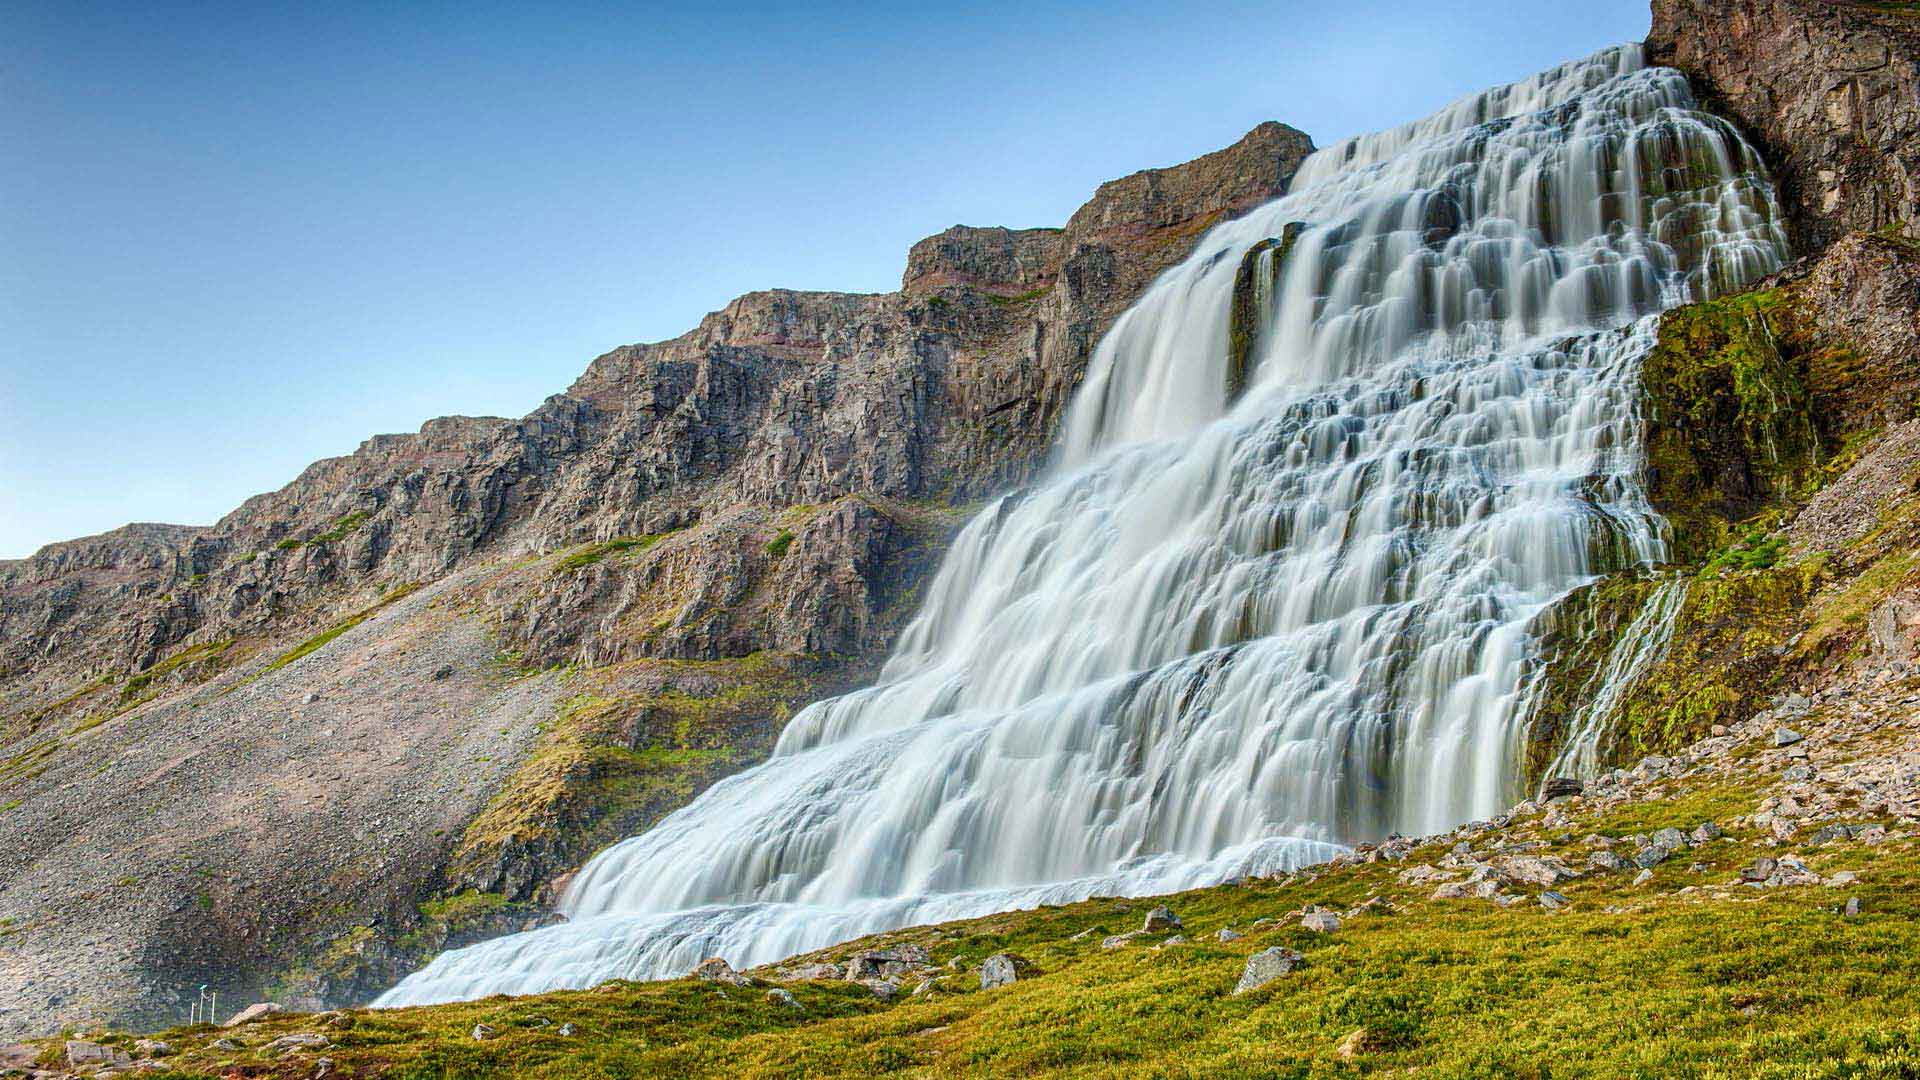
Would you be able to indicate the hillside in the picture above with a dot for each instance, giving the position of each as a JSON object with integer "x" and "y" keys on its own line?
{"x": 381, "y": 712}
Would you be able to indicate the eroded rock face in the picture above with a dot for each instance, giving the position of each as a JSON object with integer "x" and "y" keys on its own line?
{"x": 1830, "y": 87}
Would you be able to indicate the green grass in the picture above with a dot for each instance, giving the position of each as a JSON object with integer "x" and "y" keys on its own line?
{"x": 1628, "y": 982}
{"x": 1027, "y": 297}
{"x": 341, "y": 529}
{"x": 777, "y": 547}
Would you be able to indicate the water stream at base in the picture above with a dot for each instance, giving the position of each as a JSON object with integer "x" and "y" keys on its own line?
{"x": 1230, "y": 637}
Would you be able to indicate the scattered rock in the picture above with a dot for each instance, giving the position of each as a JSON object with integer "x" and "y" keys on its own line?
{"x": 229, "y": 1045}
{"x": 1643, "y": 877}
{"x": 444, "y": 671}
{"x": 1265, "y": 966}
{"x": 882, "y": 989}
{"x": 1706, "y": 832}
{"x": 1121, "y": 941}
{"x": 785, "y": 1000}
{"x": 1228, "y": 933}
{"x": 153, "y": 1048}
{"x": 1852, "y": 910}
{"x": 1552, "y": 901}
{"x": 1786, "y": 737}
{"x": 299, "y": 1040}
{"x": 814, "y": 972}
{"x": 566, "y": 1030}
{"x": 1359, "y": 1041}
{"x": 1161, "y": 920}
{"x": 1758, "y": 870}
{"x": 1606, "y": 861}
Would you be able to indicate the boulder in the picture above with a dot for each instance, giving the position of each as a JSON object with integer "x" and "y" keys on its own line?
{"x": 1552, "y": 901}
{"x": 1670, "y": 838}
{"x": 785, "y": 1000}
{"x": 82, "y": 1053}
{"x": 259, "y": 1010}
{"x": 1002, "y": 969}
{"x": 1560, "y": 787}
{"x": 153, "y": 1048}
{"x": 1651, "y": 856}
{"x": 1706, "y": 832}
{"x": 1320, "y": 922}
{"x": 1786, "y": 736}
{"x": 1265, "y": 966}
{"x": 1161, "y": 920}
{"x": 1228, "y": 933}
{"x": 483, "y": 1032}
{"x": 1606, "y": 861}
{"x": 716, "y": 970}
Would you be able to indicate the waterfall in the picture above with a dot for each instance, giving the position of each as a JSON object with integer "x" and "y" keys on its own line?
{"x": 1638, "y": 648}
{"x": 1272, "y": 599}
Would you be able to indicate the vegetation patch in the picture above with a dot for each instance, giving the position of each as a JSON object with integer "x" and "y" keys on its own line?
{"x": 588, "y": 554}
{"x": 638, "y": 742}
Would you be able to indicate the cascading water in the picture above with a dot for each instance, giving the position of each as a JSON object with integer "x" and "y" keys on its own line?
{"x": 1221, "y": 637}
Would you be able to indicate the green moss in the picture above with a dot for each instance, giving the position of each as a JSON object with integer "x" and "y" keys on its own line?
{"x": 339, "y": 531}
{"x": 1731, "y": 421}
{"x": 1027, "y": 297}
{"x": 611, "y": 762}
{"x": 777, "y": 547}
{"x": 588, "y": 554}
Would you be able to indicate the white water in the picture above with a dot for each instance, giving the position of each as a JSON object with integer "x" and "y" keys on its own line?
{"x": 1636, "y": 649}
{"x": 1217, "y": 642}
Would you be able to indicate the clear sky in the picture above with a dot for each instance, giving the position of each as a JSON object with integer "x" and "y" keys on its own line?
{"x": 235, "y": 238}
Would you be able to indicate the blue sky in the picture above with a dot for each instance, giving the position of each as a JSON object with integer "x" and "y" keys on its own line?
{"x": 237, "y": 238}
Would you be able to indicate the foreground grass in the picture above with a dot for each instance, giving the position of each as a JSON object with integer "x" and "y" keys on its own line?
{"x": 1681, "y": 977}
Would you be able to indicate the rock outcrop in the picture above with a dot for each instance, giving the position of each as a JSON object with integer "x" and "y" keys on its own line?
{"x": 1831, "y": 89}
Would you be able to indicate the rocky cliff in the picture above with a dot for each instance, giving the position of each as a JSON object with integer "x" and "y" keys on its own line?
{"x": 382, "y": 707}
{"x": 1831, "y": 89}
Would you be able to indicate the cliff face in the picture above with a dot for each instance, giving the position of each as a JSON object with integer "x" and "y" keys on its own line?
{"x": 453, "y": 663}
{"x": 1830, "y": 87}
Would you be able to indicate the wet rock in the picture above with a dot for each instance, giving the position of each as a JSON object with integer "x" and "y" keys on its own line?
{"x": 259, "y": 1010}
{"x": 1161, "y": 920}
{"x": 1265, "y": 966}
{"x": 785, "y": 1000}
